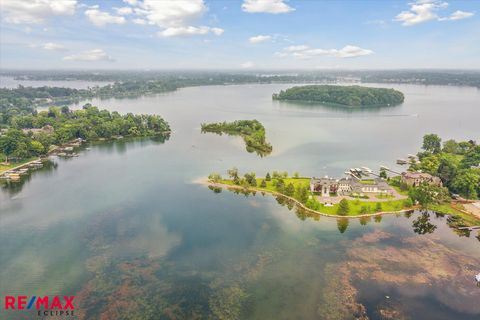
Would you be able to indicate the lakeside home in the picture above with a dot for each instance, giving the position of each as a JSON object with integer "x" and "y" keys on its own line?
{"x": 414, "y": 179}
{"x": 346, "y": 186}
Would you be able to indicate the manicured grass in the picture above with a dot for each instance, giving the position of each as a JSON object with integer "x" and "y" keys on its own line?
{"x": 367, "y": 181}
{"x": 468, "y": 219}
{"x": 356, "y": 206}
{"x": 13, "y": 164}
{"x": 271, "y": 187}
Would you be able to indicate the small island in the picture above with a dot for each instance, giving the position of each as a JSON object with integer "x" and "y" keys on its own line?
{"x": 347, "y": 96}
{"x": 252, "y": 132}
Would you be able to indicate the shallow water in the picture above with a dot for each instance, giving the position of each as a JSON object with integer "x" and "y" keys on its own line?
{"x": 124, "y": 229}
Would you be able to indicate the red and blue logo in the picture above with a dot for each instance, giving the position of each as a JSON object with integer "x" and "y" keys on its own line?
{"x": 45, "y": 305}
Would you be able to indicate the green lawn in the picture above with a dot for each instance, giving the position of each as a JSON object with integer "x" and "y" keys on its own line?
{"x": 271, "y": 187}
{"x": 12, "y": 164}
{"x": 356, "y": 206}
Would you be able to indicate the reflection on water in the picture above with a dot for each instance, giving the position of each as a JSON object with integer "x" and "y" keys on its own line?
{"x": 123, "y": 229}
{"x": 12, "y": 187}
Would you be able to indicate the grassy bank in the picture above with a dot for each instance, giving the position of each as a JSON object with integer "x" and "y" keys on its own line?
{"x": 13, "y": 164}
{"x": 357, "y": 207}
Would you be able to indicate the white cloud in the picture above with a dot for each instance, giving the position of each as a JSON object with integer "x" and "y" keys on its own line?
{"x": 123, "y": 11}
{"x": 35, "y": 11}
{"x": 259, "y": 38}
{"x": 266, "y": 6}
{"x": 426, "y": 10}
{"x": 189, "y": 31}
{"x": 90, "y": 55}
{"x": 458, "y": 15}
{"x": 102, "y": 18}
{"x": 54, "y": 46}
{"x": 247, "y": 65}
{"x": 140, "y": 21}
{"x": 173, "y": 17}
{"x": 305, "y": 52}
{"x": 166, "y": 14}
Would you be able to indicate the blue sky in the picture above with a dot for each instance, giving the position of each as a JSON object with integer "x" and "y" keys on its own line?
{"x": 239, "y": 34}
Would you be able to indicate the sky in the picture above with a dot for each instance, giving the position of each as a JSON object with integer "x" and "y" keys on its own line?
{"x": 239, "y": 34}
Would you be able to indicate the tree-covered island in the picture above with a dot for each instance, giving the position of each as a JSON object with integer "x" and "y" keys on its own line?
{"x": 349, "y": 96}
{"x": 252, "y": 132}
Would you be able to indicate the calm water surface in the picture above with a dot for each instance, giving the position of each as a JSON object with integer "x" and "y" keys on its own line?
{"x": 124, "y": 228}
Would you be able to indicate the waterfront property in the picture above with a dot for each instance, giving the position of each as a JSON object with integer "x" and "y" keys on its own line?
{"x": 414, "y": 179}
{"x": 349, "y": 186}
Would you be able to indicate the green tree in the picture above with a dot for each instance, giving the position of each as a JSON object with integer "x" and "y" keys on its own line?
{"x": 263, "y": 184}
{"x": 378, "y": 207}
{"x": 37, "y": 147}
{"x": 447, "y": 170}
{"x": 290, "y": 190}
{"x": 432, "y": 143}
{"x": 296, "y": 175}
{"x": 383, "y": 173}
{"x": 343, "y": 207}
{"x": 451, "y": 146}
{"x": 232, "y": 173}
{"x": 302, "y": 193}
{"x": 9, "y": 143}
{"x": 466, "y": 183}
{"x": 427, "y": 194}
{"x": 215, "y": 177}
{"x": 267, "y": 177}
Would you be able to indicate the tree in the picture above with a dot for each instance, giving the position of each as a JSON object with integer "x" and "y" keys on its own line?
{"x": 451, "y": 146}
{"x": 267, "y": 177}
{"x": 37, "y": 147}
{"x": 466, "y": 183}
{"x": 427, "y": 194}
{"x": 432, "y": 143}
{"x": 378, "y": 207}
{"x": 296, "y": 175}
{"x": 343, "y": 207}
{"x": 472, "y": 158}
{"x": 383, "y": 173}
{"x": 10, "y": 142}
{"x": 302, "y": 193}
{"x": 215, "y": 177}
{"x": 290, "y": 190}
{"x": 250, "y": 178}
{"x": 447, "y": 170}
{"x": 263, "y": 184}
{"x": 233, "y": 173}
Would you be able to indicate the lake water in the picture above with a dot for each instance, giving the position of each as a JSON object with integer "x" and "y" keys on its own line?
{"x": 126, "y": 230}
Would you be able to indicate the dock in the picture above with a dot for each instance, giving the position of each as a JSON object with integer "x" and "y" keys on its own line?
{"x": 469, "y": 228}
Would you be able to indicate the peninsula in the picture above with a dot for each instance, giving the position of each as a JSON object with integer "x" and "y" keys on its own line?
{"x": 348, "y": 96}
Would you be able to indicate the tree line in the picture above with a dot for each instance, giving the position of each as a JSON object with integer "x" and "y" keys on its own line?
{"x": 63, "y": 125}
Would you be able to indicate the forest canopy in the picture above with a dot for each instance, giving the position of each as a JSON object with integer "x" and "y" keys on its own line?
{"x": 351, "y": 96}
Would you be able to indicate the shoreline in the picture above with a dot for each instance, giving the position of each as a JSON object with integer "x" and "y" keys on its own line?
{"x": 204, "y": 181}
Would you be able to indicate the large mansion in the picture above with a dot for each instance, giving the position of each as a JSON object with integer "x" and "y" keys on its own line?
{"x": 346, "y": 186}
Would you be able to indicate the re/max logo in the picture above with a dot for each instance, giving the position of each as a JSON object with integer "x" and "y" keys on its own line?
{"x": 34, "y": 302}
